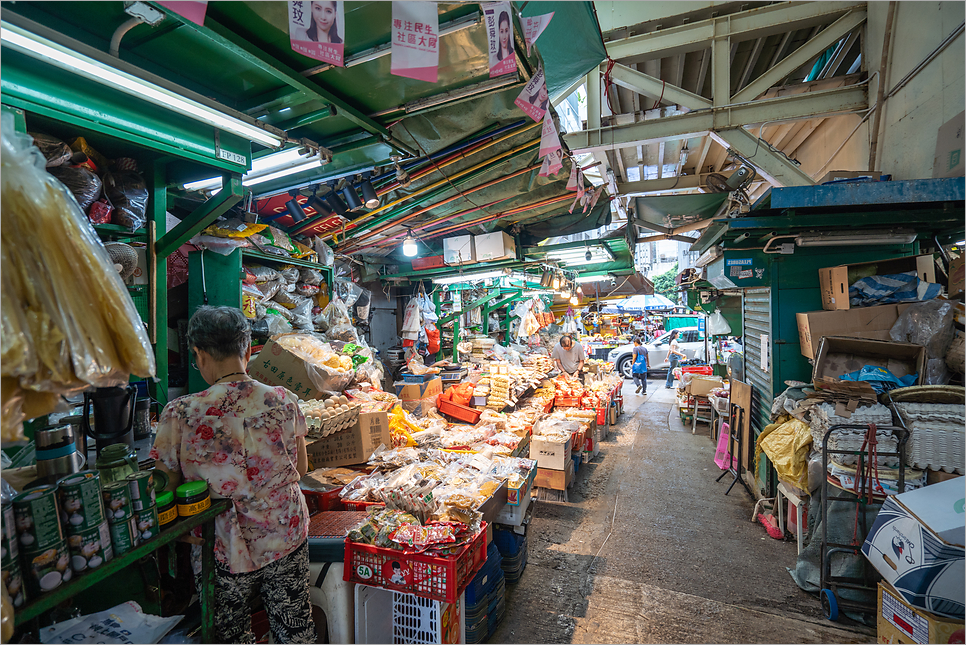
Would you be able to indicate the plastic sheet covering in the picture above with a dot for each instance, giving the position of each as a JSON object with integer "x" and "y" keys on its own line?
{"x": 788, "y": 446}
{"x": 81, "y": 326}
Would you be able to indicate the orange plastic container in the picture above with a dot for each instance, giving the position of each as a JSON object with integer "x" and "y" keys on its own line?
{"x": 459, "y": 412}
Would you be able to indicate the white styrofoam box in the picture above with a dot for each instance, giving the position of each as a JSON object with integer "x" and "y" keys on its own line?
{"x": 917, "y": 545}
{"x": 459, "y": 249}
{"x": 514, "y": 515}
{"x": 494, "y": 246}
{"x": 384, "y": 616}
{"x": 333, "y": 596}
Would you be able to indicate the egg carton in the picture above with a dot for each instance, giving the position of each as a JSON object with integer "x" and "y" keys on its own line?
{"x": 327, "y": 417}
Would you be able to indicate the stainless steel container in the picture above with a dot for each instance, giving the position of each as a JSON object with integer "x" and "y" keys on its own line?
{"x": 57, "y": 452}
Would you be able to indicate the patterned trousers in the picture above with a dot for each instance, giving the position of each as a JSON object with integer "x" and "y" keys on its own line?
{"x": 284, "y": 588}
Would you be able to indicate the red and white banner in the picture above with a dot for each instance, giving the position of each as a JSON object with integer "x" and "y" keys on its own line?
{"x": 552, "y": 163}
{"x": 317, "y": 29}
{"x": 415, "y": 40}
{"x": 534, "y": 98}
{"x": 499, "y": 33}
{"x": 193, "y": 11}
{"x": 533, "y": 27}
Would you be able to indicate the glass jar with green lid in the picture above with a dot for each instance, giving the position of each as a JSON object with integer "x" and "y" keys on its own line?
{"x": 192, "y": 498}
{"x": 167, "y": 509}
{"x": 116, "y": 462}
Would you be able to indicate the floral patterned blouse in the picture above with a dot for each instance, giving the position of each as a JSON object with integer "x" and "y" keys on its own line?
{"x": 241, "y": 438}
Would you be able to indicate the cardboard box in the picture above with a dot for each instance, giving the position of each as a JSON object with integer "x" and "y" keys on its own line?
{"x": 702, "y": 385}
{"x": 899, "y": 622}
{"x": 862, "y": 322}
{"x": 555, "y": 479}
{"x": 838, "y": 355}
{"x": 353, "y": 445}
{"x": 459, "y": 249}
{"x": 917, "y": 544}
{"x": 549, "y": 454}
{"x": 415, "y": 391}
{"x": 275, "y": 365}
{"x": 494, "y": 246}
{"x": 834, "y": 281}
{"x": 948, "y": 161}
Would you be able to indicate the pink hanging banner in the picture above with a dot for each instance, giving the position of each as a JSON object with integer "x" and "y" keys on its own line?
{"x": 576, "y": 181}
{"x": 533, "y": 27}
{"x": 549, "y": 139}
{"x": 552, "y": 163}
{"x": 415, "y": 41}
{"x": 316, "y": 29}
{"x": 499, "y": 33}
{"x": 534, "y": 98}
{"x": 193, "y": 11}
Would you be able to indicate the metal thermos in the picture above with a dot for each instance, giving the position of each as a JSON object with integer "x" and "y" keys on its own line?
{"x": 57, "y": 452}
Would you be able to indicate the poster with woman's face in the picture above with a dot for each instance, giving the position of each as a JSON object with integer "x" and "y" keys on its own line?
{"x": 534, "y": 98}
{"x": 316, "y": 30}
{"x": 499, "y": 33}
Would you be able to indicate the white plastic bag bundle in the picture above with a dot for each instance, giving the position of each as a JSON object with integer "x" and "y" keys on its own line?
{"x": 412, "y": 321}
{"x": 718, "y": 326}
{"x": 125, "y": 623}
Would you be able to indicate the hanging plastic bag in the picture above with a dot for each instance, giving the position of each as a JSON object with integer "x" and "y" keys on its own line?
{"x": 411, "y": 319}
{"x": 718, "y": 326}
{"x": 432, "y": 338}
{"x": 788, "y": 447}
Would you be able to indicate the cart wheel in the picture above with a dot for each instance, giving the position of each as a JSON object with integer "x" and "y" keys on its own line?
{"x": 829, "y": 605}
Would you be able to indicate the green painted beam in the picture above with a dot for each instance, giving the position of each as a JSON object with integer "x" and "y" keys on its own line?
{"x": 230, "y": 194}
{"x": 613, "y": 244}
{"x": 158, "y": 388}
{"x": 246, "y": 50}
{"x": 517, "y": 295}
{"x": 19, "y": 119}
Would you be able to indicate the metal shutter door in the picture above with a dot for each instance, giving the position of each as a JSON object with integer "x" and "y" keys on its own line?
{"x": 756, "y": 311}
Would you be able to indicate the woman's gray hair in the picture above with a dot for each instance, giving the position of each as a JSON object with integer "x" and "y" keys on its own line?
{"x": 223, "y": 332}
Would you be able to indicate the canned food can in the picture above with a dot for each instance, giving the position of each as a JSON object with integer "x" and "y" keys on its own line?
{"x": 91, "y": 548}
{"x": 123, "y": 536}
{"x": 147, "y": 523}
{"x": 81, "y": 506}
{"x": 8, "y": 538}
{"x": 142, "y": 489}
{"x": 36, "y": 516}
{"x": 13, "y": 581}
{"x": 117, "y": 501}
{"x": 45, "y": 570}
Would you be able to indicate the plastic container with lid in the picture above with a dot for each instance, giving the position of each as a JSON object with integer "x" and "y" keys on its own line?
{"x": 167, "y": 509}
{"x": 192, "y": 498}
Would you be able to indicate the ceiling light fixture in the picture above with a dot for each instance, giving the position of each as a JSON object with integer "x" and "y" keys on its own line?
{"x": 63, "y": 57}
{"x": 351, "y": 197}
{"x": 485, "y": 275}
{"x": 555, "y": 282}
{"x": 337, "y": 204}
{"x": 294, "y": 209}
{"x": 319, "y": 206}
{"x": 409, "y": 245}
{"x": 856, "y": 238}
{"x": 574, "y": 301}
{"x": 369, "y": 195}
{"x": 265, "y": 168}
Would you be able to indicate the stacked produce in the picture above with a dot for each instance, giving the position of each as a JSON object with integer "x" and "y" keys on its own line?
{"x": 499, "y": 391}
{"x": 329, "y": 416}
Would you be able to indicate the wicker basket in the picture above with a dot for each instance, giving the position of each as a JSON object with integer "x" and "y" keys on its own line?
{"x": 929, "y": 394}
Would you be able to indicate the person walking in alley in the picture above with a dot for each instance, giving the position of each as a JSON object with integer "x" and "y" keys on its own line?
{"x": 641, "y": 365}
{"x": 674, "y": 356}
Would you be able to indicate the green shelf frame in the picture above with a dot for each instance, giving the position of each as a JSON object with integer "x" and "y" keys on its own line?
{"x": 205, "y": 519}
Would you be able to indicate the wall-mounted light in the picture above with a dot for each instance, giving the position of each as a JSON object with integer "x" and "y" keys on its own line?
{"x": 337, "y": 204}
{"x": 369, "y": 195}
{"x": 319, "y": 206}
{"x": 293, "y": 208}
{"x": 351, "y": 197}
{"x": 409, "y": 245}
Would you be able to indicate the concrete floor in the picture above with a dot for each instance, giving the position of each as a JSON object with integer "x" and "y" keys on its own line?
{"x": 650, "y": 550}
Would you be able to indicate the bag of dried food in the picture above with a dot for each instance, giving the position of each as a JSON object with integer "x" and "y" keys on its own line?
{"x": 54, "y": 150}
{"x": 80, "y": 320}
{"x": 129, "y": 194}
{"x": 84, "y": 185}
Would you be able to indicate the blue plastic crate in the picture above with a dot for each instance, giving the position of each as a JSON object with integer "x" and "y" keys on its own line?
{"x": 513, "y": 568}
{"x": 509, "y": 543}
{"x": 485, "y": 579}
{"x": 576, "y": 457}
{"x": 417, "y": 378}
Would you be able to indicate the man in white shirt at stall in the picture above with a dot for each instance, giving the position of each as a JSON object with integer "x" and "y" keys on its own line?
{"x": 568, "y": 356}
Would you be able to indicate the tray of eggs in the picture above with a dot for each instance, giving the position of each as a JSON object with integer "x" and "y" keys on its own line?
{"x": 330, "y": 416}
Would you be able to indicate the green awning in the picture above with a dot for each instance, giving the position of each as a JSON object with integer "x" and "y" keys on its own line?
{"x": 671, "y": 211}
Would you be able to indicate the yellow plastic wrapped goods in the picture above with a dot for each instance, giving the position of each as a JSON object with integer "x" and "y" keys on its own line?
{"x": 400, "y": 428}
{"x": 787, "y": 443}
{"x": 68, "y": 320}
{"x": 234, "y": 229}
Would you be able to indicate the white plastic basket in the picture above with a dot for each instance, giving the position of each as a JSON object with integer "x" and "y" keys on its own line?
{"x": 384, "y": 616}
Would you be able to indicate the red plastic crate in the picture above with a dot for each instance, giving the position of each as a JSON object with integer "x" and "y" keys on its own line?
{"x": 703, "y": 370}
{"x": 442, "y": 579}
{"x": 327, "y": 501}
{"x": 566, "y": 401}
{"x": 459, "y": 412}
{"x": 601, "y": 415}
{"x": 360, "y": 506}
{"x": 431, "y": 262}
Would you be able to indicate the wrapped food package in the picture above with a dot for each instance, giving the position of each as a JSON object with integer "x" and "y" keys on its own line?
{"x": 80, "y": 321}
{"x": 54, "y": 150}
{"x": 84, "y": 185}
{"x": 129, "y": 195}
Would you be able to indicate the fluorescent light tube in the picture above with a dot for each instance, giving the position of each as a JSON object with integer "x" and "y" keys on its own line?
{"x": 50, "y": 52}
{"x": 868, "y": 238}
{"x": 469, "y": 277}
{"x": 592, "y": 278}
{"x": 287, "y": 162}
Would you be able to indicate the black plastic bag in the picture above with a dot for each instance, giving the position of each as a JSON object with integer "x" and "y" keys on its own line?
{"x": 85, "y": 185}
{"x": 129, "y": 193}
{"x": 54, "y": 150}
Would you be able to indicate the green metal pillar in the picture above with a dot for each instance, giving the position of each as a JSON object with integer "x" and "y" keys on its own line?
{"x": 158, "y": 283}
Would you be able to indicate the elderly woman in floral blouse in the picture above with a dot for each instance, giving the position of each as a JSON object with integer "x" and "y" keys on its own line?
{"x": 247, "y": 440}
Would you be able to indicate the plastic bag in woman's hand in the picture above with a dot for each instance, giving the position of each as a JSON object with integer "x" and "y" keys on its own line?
{"x": 84, "y": 185}
{"x": 129, "y": 194}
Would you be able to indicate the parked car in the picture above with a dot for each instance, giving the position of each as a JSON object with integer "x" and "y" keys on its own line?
{"x": 690, "y": 338}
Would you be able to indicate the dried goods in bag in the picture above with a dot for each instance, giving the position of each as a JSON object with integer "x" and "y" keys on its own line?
{"x": 54, "y": 150}
{"x": 129, "y": 194}
{"x": 81, "y": 321}
{"x": 84, "y": 185}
